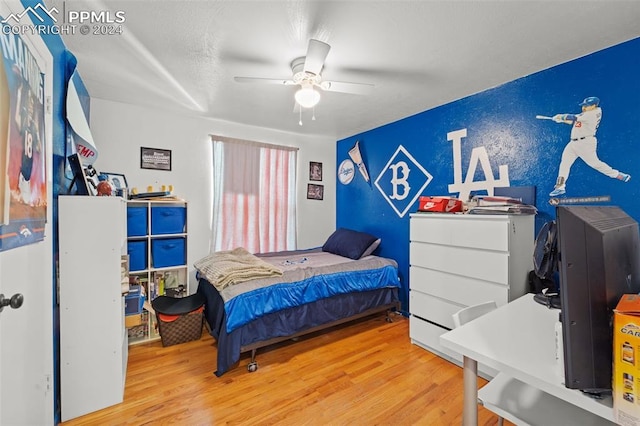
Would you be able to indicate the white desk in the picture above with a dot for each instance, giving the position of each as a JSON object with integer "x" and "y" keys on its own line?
{"x": 517, "y": 339}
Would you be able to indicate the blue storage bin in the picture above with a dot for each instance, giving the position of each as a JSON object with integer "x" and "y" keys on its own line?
{"x": 133, "y": 302}
{"x": 137, "y": 255}
{"x": 168, "y": 252}
{"x": 168, "y": 220}
{"x": 136, "y": 221}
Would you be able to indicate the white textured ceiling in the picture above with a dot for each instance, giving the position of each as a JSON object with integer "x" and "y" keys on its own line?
{"x": 182, "y": 55}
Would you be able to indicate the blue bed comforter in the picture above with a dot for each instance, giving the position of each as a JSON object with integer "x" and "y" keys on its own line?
{"x": 307, "y": 284}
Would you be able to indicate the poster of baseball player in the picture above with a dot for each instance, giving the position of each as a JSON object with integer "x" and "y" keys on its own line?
{"x": 24, "y": 176}
{"x": 582, "y": 144}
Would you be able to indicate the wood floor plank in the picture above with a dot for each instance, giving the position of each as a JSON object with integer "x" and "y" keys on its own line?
{"x": 362, "y": 373}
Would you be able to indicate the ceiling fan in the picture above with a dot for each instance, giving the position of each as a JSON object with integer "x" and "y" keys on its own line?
{"x": 307, "y": 73}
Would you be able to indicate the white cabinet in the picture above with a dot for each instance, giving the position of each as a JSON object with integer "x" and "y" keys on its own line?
{"x": 157, "y": 247}
{"x": 462, "y": 260}
{"x": 93, "y": 338}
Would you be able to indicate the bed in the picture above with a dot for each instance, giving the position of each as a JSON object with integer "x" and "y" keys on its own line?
{"x": 295, "y": 293}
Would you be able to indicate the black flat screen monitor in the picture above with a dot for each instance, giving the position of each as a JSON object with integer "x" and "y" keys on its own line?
{"x": 599, "y": 261}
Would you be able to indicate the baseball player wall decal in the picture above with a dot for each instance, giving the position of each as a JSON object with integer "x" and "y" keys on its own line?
{"x": 582, "y": 144}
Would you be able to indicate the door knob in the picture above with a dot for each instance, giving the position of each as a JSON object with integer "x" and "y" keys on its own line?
{"x": 15, "y": 302}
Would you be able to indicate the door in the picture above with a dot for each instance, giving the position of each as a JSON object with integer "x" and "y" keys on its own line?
{"x": 27, "y": 333}
{"x": 26, "y": 337}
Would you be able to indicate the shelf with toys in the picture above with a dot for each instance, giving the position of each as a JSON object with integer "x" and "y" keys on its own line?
{"x": 157, "y": 248}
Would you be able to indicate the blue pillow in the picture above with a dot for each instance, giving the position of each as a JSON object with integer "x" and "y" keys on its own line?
{"x": 351, "y": 244}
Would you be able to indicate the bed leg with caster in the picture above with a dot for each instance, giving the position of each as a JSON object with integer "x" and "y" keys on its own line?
{"x": 389, "y": 319}
{"x": 253, "y": 365}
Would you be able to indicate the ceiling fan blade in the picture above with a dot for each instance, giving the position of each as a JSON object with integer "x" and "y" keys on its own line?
{"x": 264, "y": 80}
{"x": 354, "y": 88}
{"x": 316, "y": 54}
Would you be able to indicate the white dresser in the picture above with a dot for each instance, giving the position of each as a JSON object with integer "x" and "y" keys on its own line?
{"x": 459, "y": 260}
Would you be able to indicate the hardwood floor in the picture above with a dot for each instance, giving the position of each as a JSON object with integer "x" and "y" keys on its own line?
{"x": 361, "y": 373}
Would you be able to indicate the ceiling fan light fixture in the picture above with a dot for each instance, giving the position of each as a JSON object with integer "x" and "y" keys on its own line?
{"x": 307, "y": 96}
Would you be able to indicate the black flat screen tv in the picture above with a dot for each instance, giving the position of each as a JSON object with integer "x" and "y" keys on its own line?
{"x": 599, "y": 261}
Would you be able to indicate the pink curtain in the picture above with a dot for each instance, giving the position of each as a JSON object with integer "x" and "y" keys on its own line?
{"x": 254, "y": 196}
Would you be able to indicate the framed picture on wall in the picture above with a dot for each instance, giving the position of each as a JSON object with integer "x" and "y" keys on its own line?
{"x": 155, "y": 158}
{"x": 315, "y": 192}
{"x": 315, "y": 170}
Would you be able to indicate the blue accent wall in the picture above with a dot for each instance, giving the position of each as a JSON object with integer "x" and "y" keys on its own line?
{"x": 504, "y": 142}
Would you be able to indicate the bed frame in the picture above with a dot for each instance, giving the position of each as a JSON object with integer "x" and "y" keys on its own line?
{"x": 318, "y": 315}
{"x": 253, "y": 364}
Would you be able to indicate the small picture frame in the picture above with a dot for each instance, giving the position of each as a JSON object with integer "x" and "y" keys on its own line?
{"x": 118, "y": 183}
{"x": 315, "y": 170}
{"x": 84, "y": 180}
{"x": 155, "y": 158}
{"x": 315, "y": 192}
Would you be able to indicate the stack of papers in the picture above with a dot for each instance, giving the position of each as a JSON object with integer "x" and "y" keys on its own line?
{"x": 484, "y": 204}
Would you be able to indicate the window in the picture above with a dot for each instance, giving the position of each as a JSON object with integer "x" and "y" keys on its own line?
{"x": 254, "y": 196}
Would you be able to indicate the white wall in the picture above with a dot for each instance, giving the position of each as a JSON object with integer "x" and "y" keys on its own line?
{"x": 119, "y": 130}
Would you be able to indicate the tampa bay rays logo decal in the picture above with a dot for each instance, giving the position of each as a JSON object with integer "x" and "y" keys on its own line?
{"x": 479, "y": 156}
{"x": 399, "y": 184}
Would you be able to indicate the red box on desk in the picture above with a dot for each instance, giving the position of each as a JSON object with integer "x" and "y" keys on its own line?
{"x": 439, "y": 204}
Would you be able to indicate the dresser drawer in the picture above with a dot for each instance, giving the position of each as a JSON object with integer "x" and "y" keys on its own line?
{"x": 433, "y": 308}
{"x": 463, "y": 290}
{"x": 472, "y": 232}
{"x": 480, "y": 264}
{"x": 427, "y": 336}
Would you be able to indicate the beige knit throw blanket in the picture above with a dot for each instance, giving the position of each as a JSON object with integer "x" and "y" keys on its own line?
{"x": 225, "y": 268}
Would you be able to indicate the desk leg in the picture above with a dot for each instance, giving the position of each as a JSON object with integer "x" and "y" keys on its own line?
{"x": 470, "y": 404}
